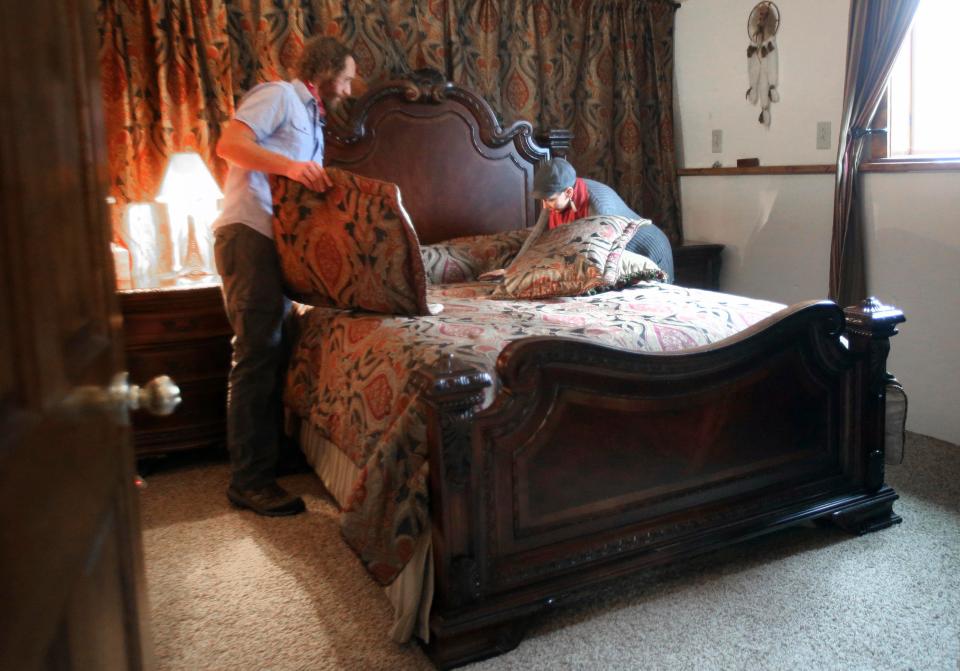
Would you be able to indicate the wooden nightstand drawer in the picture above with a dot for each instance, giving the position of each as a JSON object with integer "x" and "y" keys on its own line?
{"x": 182, "y": 361}
{"x": 697, "y": 265}
{"x": 199, "y": 421}
{"x": 166, "y": 316}
{"x": 140, "y": 329}
{"x": 181, "y": 332}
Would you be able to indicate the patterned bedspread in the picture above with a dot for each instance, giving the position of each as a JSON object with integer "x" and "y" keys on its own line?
{"x": 349, "y": 377}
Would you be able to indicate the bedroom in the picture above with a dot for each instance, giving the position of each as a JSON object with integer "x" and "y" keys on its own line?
{"x": 758, "y": 257}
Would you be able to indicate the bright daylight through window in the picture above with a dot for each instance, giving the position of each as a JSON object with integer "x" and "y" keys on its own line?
{"x": 924, "y": 110}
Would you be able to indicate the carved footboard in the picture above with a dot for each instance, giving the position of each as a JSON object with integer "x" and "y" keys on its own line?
{"x": 593, "y": 462}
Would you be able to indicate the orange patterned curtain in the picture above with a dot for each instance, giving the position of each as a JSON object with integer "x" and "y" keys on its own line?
{"x": 173, "y": 71}
{"x": 166, "y": 86}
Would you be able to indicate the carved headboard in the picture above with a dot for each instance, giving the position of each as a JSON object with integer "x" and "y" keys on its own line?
{"x": 459, "y": 171}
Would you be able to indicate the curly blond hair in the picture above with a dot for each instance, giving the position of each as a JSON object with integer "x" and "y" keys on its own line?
{"x": 323, "y": 58}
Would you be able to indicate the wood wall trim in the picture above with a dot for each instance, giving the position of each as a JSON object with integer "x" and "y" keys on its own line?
{"x": 912, "y": 165}
{"x": 826, "y": 169}
{"x": 885, "y": 165}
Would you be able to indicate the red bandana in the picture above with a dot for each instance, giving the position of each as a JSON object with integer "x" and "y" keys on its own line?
{"x": 316, "y": 96}
{"x": 579, "y": 201}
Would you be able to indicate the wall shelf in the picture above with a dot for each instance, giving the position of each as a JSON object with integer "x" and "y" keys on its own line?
{"x": 883, "y": 165}
{"x": 760, "y": 170}
{"x": 911, "y": 165}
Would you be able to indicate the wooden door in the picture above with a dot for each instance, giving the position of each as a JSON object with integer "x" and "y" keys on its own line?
{"x": 71, "y": 570}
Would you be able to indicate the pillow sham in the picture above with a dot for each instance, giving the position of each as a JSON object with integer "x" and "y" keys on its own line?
{"x": 570, "y": 260}
{"x": 465, "y": 259}
{"x": 351, "y": 246}
{"x": 636, "y": 268}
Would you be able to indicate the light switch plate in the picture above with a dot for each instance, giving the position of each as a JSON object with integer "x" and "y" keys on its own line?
{"x": 716, "y": 141}
{"x": 823, "y": 135}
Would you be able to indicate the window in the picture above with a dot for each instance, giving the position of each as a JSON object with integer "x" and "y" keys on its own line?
{"x": 923, "y": 95}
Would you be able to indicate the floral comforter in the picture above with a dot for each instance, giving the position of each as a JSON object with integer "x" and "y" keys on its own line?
{"x": 350, "y": 378}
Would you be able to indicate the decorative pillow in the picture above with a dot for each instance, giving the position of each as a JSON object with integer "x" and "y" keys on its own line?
{"x": 352, "y": 246}
{"x": 464, "y": 259}
{"x": 636, "y": 268}
{"x": 570, "y": 260}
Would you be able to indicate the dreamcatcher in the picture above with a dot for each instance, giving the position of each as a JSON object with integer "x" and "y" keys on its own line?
{"x": 763, "y": 57}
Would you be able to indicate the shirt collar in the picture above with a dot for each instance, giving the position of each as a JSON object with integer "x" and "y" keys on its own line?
{"x": 303, "y": 92}
{"x": 308, "y": 99}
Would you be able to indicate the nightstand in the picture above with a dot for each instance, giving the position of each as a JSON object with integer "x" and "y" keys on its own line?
{"x": 181, "y": 332}
{"x": 697, "y": 265}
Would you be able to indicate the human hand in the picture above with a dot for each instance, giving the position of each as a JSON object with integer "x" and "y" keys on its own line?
{"x": 492, "y": 274}
{"x": 311, "y": 174}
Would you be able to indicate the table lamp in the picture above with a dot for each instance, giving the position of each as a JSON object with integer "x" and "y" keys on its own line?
{"x": 191, "y": 196}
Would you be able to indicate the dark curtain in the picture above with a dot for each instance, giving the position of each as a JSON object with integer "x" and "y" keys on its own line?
{"x": 877, "y": 29}
{"x": 173, "y": 70}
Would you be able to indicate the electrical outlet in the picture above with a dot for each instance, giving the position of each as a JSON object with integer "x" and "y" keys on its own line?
{"x": 716, "y": 141}
{"x": 823, "y": 135}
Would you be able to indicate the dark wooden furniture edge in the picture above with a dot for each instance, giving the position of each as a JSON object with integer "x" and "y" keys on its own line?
{"x": 697, "y": 264}
{"x": 592, "y": 462}
{"x": 183, "y": 332}
{"x": 501, "y": 160}
{"x": 498, "y": 563}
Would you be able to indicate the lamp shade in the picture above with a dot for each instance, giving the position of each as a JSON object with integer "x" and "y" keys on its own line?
{"x": 186, "y": 180}
{"x": 190, "y": 195}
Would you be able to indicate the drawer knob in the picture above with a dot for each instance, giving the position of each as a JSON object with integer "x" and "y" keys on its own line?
{"x": 160, "y": 396}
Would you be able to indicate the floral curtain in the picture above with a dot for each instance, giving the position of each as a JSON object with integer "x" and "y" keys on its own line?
{"x": 173, "y": 71}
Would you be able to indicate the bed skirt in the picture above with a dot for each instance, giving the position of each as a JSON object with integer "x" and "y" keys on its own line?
{"x": 411, "y": 593}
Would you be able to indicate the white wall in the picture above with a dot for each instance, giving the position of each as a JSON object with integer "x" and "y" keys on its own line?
{"x": 777, "y": 228}
{"x": 913, "y": 224}
{"x": 711, "y": 65}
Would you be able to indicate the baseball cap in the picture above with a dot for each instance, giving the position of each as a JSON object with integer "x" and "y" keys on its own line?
{"x": 553, "y": 177}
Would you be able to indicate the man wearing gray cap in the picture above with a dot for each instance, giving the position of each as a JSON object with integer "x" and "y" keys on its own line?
{"x": 566, "y": 197}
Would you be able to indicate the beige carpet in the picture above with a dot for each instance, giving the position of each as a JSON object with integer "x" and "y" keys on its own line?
{"x": 230, "y": 590}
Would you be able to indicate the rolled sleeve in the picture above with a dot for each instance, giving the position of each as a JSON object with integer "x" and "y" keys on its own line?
{"x": 263, "y": 109}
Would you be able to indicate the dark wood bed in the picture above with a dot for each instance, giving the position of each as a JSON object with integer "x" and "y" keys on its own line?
{"x": 593, "y": 462}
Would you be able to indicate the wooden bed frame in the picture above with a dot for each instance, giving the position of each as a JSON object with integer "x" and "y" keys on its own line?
{"x": 593, "y": 462}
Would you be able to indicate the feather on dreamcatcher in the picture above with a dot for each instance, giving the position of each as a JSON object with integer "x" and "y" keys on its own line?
{"x": 763, "y": 58}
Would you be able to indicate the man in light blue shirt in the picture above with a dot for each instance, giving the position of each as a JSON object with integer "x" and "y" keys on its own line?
{"x": 277, "y": 130}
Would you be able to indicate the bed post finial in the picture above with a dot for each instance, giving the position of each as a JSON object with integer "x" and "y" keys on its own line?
{"x": 873, "y": 318}
{"x": 870, "y": 325}
{"x": 427, "y": 85}
{"x": 557, "y": 140}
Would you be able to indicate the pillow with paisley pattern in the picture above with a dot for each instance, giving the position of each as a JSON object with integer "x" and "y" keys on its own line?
{"x": 570, "y": 260}
{"x": 464, "y": 259}
{"x": 352, "y": 246}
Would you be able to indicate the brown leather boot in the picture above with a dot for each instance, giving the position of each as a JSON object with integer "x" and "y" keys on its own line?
{"x": 271, "y": 500}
